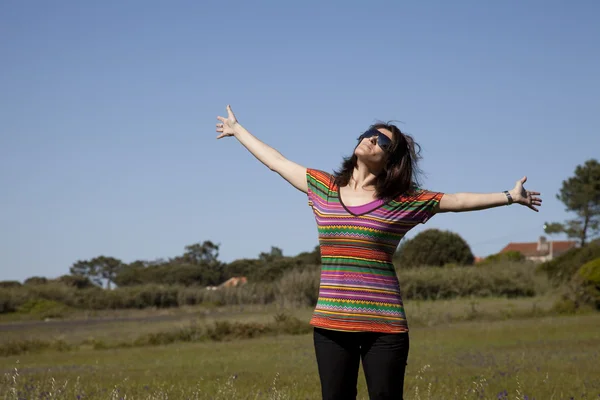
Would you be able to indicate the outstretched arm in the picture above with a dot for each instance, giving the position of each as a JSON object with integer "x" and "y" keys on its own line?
{"x": 274, "y": 160}
{"x": 460, "y": 202}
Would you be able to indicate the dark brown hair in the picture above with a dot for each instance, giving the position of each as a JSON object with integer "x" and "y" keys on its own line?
{"x": 400, "y": 173}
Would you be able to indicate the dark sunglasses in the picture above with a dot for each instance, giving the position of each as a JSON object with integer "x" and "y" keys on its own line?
{"x": 382, "y": 141}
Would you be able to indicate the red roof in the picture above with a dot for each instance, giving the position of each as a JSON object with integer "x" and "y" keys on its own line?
{"x": 535, "y": 249}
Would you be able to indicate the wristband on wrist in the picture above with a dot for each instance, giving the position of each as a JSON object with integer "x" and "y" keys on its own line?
{"x": 509, "y": 197}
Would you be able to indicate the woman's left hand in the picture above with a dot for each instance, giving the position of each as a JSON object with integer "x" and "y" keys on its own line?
{"x": 525, "y": 197}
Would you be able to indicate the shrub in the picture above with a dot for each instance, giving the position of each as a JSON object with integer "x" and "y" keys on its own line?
{"x": 509, "y": 256}
{"x": 16, "y": 347}
{"x": 76, "y": 281}
{"x": 9, "y": 284}
{"x": 434, "y": 247}
{"x": 36, "y": 280}
{"x": 250, "y": 293}
{"x": 11, "y": 299}
{"x": 590, "y": 272}
{"x": 43, "y": 308}
{"x": 561, "y": 269}
{"x": 589, "y": 279}
{"x": 296, "y": 288}
{"x": 502, "y": 279}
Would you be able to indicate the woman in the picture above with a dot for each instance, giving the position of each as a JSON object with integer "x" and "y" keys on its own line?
{"x": 362, "y": 213}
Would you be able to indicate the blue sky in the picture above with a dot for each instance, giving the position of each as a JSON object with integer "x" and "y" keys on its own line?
{"x": 107, "y": 115}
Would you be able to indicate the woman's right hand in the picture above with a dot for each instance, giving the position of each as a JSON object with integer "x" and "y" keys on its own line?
{"x": 227, "y": 125}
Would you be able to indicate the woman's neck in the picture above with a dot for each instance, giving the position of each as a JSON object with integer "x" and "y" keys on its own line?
{"x": 363, "y": 178}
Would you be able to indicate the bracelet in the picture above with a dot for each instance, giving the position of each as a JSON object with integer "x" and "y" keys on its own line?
{"x": 509, "y": 197}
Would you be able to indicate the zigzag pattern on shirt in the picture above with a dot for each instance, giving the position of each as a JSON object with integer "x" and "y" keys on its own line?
{"x": 358, "y": 229}
{"x": 359, "y": 288}
{"x": 346, "y": 276}
{"x": 335, "y": 300}
{"x": 357, "y": 259}
{"x": 340, "y": 215}
{"x": 365, "y": 312}
{"x": 349, "y": 287}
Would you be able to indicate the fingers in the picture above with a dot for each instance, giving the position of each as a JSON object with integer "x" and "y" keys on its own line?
{"x": 222, "y": 119}
{"x": 523, "y": 180}
{"x": 534, "y": 203}
{"x": 230, "y": 113}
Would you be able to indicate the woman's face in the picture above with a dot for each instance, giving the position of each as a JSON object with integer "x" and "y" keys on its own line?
{"x": 370, "y": 151}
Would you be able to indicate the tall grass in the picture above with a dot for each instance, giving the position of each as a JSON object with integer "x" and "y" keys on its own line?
{"x": 296, "y": 288}
{"x": 506, "y": 279}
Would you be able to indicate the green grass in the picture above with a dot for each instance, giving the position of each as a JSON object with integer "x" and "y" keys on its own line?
{"x": 451, "y": 357}
{"x": 128, "y": 325}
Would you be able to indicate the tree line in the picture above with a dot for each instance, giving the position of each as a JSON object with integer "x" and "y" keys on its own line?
{"x": 199, "y": 265}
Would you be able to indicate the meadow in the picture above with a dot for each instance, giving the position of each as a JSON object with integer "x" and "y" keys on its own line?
{"x": 466, "y": 348}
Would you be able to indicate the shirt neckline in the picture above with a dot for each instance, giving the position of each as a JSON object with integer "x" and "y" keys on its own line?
{"x": 357, "y": 211}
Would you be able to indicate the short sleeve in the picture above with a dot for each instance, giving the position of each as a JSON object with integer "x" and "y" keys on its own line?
{"x": 425, "y": 203}
{"x": 319, "y": 184}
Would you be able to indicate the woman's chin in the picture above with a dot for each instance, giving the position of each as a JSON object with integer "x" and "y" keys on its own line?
{"x": 367, "y": 159}
{"x": 360, "y": 152}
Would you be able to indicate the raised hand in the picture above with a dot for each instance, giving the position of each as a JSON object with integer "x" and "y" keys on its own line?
{"x": 227, "y": 125}
{"x": 525, "y": 197}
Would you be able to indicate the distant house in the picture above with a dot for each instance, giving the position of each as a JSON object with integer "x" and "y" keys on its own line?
{"x": 542, "y": 250}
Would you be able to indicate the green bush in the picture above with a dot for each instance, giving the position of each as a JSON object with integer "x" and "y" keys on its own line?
{"x": 590, "y": 272}
{"x": 295, "y": 288}
{"x": 589, "y": 278}
{"x": 16, "y": 347}
{"x": 502, "y": 279}
{"x": 9, "y": 284}
{"x": 36, "y": 280}
{"x": 582, "y": 292}
{"x": 509, "y": 256}
{"x": 250, "y": 293}
{"x": 76, "y": 281}
{"x": 166, "y": 274}
{"x": 566, "y": 305}
{"x": 11, "y": 299}
{"x": 561, "y": 269}
{"x": 434, "y": 247}
{"x": 43, "y": 308}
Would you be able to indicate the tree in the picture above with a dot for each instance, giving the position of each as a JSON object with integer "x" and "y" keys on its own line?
{"x": 434, "y": 247}
{"x": 274, "y": 254}
{"x": 206, "y": 256}
{"x": 206, "y": 252}
{"x": 76, "y": 281}
{"x": 98, "y": 269}
{"x": 581, "y": 195}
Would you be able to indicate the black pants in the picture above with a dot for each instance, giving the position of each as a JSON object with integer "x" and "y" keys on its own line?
{"x": 383, "y": 355}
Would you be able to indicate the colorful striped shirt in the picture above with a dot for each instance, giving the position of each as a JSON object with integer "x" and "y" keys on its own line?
{"x": 359, "y": 289}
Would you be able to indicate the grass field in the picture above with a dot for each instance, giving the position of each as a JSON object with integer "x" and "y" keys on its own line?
{"x": 460, "y": 349}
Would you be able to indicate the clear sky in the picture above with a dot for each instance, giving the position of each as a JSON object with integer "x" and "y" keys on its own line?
{"x": 108, "y": 109}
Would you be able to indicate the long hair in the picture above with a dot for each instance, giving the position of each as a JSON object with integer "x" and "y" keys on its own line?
{"x": 400, "y": 174}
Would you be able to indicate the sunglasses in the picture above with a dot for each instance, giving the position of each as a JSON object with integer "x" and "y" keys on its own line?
{"x": 382, "y": 141}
